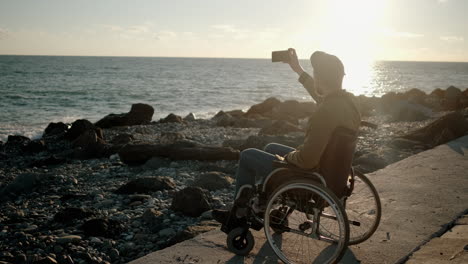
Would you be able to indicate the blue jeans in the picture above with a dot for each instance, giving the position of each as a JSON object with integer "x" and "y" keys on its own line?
{"x": 255, "y": 164}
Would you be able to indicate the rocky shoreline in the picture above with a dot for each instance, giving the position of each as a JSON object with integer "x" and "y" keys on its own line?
{"x": 116, "y": 190}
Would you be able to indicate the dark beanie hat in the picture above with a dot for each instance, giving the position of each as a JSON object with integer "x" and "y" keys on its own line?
{"x": 327, "y": 66}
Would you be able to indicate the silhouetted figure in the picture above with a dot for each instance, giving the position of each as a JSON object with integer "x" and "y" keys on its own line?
{"x": 335, "y": 109}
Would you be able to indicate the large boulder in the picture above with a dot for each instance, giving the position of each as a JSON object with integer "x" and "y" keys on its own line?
{"x": 213, "y": 180}
{"x": 16, "y": 143}
{"x": 291, "y": 110}
{"x": 139, "y": 114}
{"x": 147, "y": 185}
{"x": 404, "y": 111}
{"x": 192, "y": 201}
{"x": 279, "y": 127}
{"x": 35, "y": 146}
{"x": 366, "y": 105}
{"x": 433, "y": 102}
{"x": 55, "y": 129}
{"x": 263, "y": 107}
{"x": 87, "y": 139}
{"x": 236, "y": 113}
{"x": 221, "y": 114}
{"x": 89, "y": 145}
{"x": 387, "y": 100}
{"x": 452, "y": 98}
{"x": 190, "y": 117}
{"x": 439, "y": 93}
{"x": 79, "y": 127}
{"x": 442, "y": 130}
{"x": 172, "y": 118}
{"x": 415, "y": 96}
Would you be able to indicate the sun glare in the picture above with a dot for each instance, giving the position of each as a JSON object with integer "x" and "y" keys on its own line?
{"x": 348, "y": 29}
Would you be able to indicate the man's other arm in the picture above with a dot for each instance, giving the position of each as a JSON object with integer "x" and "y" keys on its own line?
{"x": 308, "y": 156}
{"x": 308, "y": 82}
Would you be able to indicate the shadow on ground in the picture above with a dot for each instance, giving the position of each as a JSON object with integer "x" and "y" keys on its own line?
{"x": 266, "y": 256}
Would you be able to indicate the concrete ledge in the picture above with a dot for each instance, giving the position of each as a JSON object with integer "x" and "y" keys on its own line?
{"x": 441, "y": 251}
{"x": 420, "y": 195}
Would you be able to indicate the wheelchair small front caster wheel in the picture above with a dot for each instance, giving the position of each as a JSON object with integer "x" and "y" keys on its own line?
{"x": 240, "y": 241}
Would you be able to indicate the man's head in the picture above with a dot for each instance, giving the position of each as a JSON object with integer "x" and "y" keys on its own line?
{"x": 328, "y": 72}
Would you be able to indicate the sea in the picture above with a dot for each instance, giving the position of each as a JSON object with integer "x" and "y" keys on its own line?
{"x": 37, "y": 90}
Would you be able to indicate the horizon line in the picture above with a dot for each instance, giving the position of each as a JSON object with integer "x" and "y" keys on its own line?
{"x": 201, "y": 57}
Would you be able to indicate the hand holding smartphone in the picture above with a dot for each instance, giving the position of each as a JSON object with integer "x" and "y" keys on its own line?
{"x": 288, "y": 56}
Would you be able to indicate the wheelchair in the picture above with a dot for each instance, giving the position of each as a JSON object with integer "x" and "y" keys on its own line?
{"x": 309, "y": 216}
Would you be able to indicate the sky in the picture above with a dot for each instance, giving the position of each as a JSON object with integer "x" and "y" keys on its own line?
{"x": 409, "y": 30}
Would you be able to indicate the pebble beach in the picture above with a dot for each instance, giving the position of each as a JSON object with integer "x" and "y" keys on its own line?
{"x": 108, "y": 192}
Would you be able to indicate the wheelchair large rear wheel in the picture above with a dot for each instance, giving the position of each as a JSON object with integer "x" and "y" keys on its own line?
{"x": 301, "y": 223}
{"x": 363, "y": 209}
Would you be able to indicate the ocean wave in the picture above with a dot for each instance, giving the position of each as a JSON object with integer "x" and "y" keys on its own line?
{"x": 32, "y": 132}
{"x": 16, "y": 97}
{"x": 90, "y": 88}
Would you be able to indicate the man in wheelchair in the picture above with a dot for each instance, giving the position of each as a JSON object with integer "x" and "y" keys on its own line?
{"x": 336, "y": 111}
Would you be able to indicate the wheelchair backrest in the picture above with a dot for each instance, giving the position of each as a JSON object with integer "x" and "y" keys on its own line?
{"x": 336, "y": 161}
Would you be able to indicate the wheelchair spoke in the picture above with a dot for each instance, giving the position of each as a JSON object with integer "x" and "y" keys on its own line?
{"x": 296, "y": 229}
{"x": 363, "y": 209}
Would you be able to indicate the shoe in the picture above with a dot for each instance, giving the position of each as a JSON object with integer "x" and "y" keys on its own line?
{"x": 220, "y": 215}
{"x": 228, "y": 220}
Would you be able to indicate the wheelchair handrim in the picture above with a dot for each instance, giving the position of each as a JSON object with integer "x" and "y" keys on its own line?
{"x": 333, "y": 202}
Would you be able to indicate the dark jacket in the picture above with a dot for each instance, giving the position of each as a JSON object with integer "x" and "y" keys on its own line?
{"x": 335, "y": 110}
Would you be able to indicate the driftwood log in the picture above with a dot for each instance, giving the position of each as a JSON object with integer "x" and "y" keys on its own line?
{"x": 182, "y": 150}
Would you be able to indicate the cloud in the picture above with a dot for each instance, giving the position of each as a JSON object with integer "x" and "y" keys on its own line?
{"x": 113, "y": 28}
{"x": 138, "y": 29}
{"x": 165, "y": 34}
{"x": 399, "y": 34}
{"x": 226, "y": 28}
{"x": 233, "y": 31}
{"x": 452, "y": 38}
{"x": 141, "y": 31}
{"x": 442, "y": 1}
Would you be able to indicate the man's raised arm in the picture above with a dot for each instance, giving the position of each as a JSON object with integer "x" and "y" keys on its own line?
{"x": 304, "y": 78}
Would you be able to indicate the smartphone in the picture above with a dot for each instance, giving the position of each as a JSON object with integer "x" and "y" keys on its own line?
{"x": 280, "y": 56}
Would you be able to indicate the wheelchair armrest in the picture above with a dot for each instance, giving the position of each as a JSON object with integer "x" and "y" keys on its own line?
{"x": 280, "y": 164}
{"x": 292, "y": 167}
